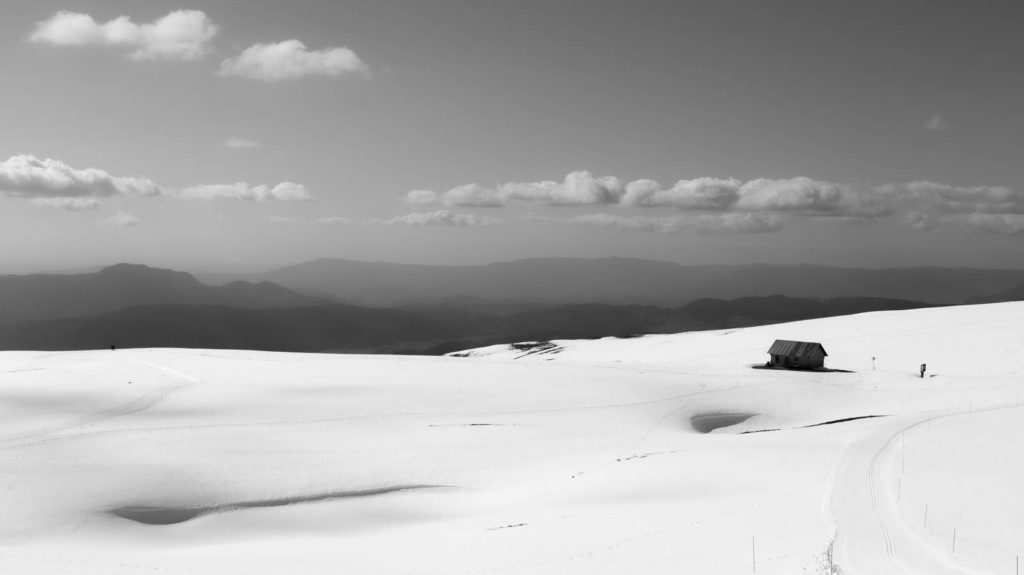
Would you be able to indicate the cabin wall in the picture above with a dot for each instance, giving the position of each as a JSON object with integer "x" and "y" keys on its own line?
{"x": 816, "y": 359}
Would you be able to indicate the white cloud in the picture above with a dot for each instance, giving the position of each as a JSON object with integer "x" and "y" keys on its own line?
{"x": 334, "y": 220}
{"x": 283, "y": 192}
{"x": 290, "y": 59}
{"x": 698, "y": 194}
{"x": 421, "y": 197}
{"x": 945, "y": 198}
{"x": 180, "y": 35}
{"x": 921, "y": 204}
{"x": 1008, "y": 224}
{"x": 27, "y": 176}
{"x": 474, "y": 196}
{"x": 242, "y": 144}
{"x": 51, "y": 183}
{"x": 811, "y": 197}
{"x": 697, "y": 224}
{"x": 1003, "y": 224}
{"x": 936, "y": 124}
{"x": 440, "y": 218}
{"x": 70, "y": 204}
{"x": 577, "y": 189}
{"x": 120, "y": 220}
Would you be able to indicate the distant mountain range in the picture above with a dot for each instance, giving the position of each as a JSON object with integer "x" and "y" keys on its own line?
{"x": 138, "y": 306}
{"x": 622, "y": 281}
{"x": 1015, "y": 293}
{"x": 343, "y": 328}
{"x": 51, "y": 296}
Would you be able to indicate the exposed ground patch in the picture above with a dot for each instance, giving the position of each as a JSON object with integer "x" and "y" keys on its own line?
{"x": 471, "y": 425}
{"x": 843, "y": 420}
{"x": 162, "y": 515}
{"x": 535, "y": 348}
{"x": 708, "y": 422}
{"x": 832, "y": 422}
{"x": 814, "y": 369}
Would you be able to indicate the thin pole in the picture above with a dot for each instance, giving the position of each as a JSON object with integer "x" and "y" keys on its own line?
{"x": 753, "y": 553}
{"x": 954, "y": 540}
{"x": 926, "y": 515}
{"x": 899, "y": 489}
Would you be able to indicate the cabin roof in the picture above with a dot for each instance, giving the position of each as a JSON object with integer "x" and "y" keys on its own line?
{"x": 795, "y": 348}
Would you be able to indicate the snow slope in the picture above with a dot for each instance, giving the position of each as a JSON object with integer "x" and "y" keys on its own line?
{"x": 578, "y": 457}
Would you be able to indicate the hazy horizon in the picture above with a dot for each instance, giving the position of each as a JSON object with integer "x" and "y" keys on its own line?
{"x": 257, "y": 270}
{"x": 235, "y": 136}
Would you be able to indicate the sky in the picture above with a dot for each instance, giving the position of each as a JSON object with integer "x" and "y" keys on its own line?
{"x": 230, "y": 135}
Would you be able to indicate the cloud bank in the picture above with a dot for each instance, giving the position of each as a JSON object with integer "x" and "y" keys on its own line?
{"x": 732, "y": 223}
{"x": 936, "y": 124}
{"x": 291, "y": 59}
{"x": 180, "y": 35}
{"x": 70, "y": 204}
{"x": 51, "y": 183}
{"x": 439, "y": 218}
{"x": 120, "y": 220}
{"x": 977, "y": 208}
{"x": 236, "y": 143}
{"x": 283, "y": 192}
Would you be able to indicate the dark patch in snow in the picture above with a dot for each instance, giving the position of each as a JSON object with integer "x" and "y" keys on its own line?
{"x": 535, "y": 348}
{"x": 814, "y": 369}
{"x": 513, "y": 525}
{"x": 708, "y": 422}
{"x": 843, "y": 420}
{"x": 471, "y": 425}
{"x": 833, "y": 422}
{"x": 160, "y": 515}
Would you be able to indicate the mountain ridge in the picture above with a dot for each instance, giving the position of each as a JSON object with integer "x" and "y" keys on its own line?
{"x": 38, "y": 297}
{"x": 623, "y": 281}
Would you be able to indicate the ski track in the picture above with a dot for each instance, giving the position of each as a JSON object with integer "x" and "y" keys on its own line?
{"x": 141, "y": 403}
{"x": 908, "y": 550}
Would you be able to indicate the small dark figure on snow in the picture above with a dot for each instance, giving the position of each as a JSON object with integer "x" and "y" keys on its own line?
{"x": 113, "y": 347}
{"x": 924, "y": 366}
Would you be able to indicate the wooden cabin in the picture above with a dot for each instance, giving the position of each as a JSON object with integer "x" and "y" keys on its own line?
{"x": 797, "y": 354}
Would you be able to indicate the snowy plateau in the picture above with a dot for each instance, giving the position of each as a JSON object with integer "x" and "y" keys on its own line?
{"x": 655, "y": 454}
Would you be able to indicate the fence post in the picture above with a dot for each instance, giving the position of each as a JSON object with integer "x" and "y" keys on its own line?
{"x": 831, "y": 548}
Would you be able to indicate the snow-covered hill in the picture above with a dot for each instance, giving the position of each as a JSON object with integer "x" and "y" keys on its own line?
{"x": 570, "y": 457}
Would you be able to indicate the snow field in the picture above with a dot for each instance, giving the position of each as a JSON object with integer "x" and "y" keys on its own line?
{"x": 580, "y": 460}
